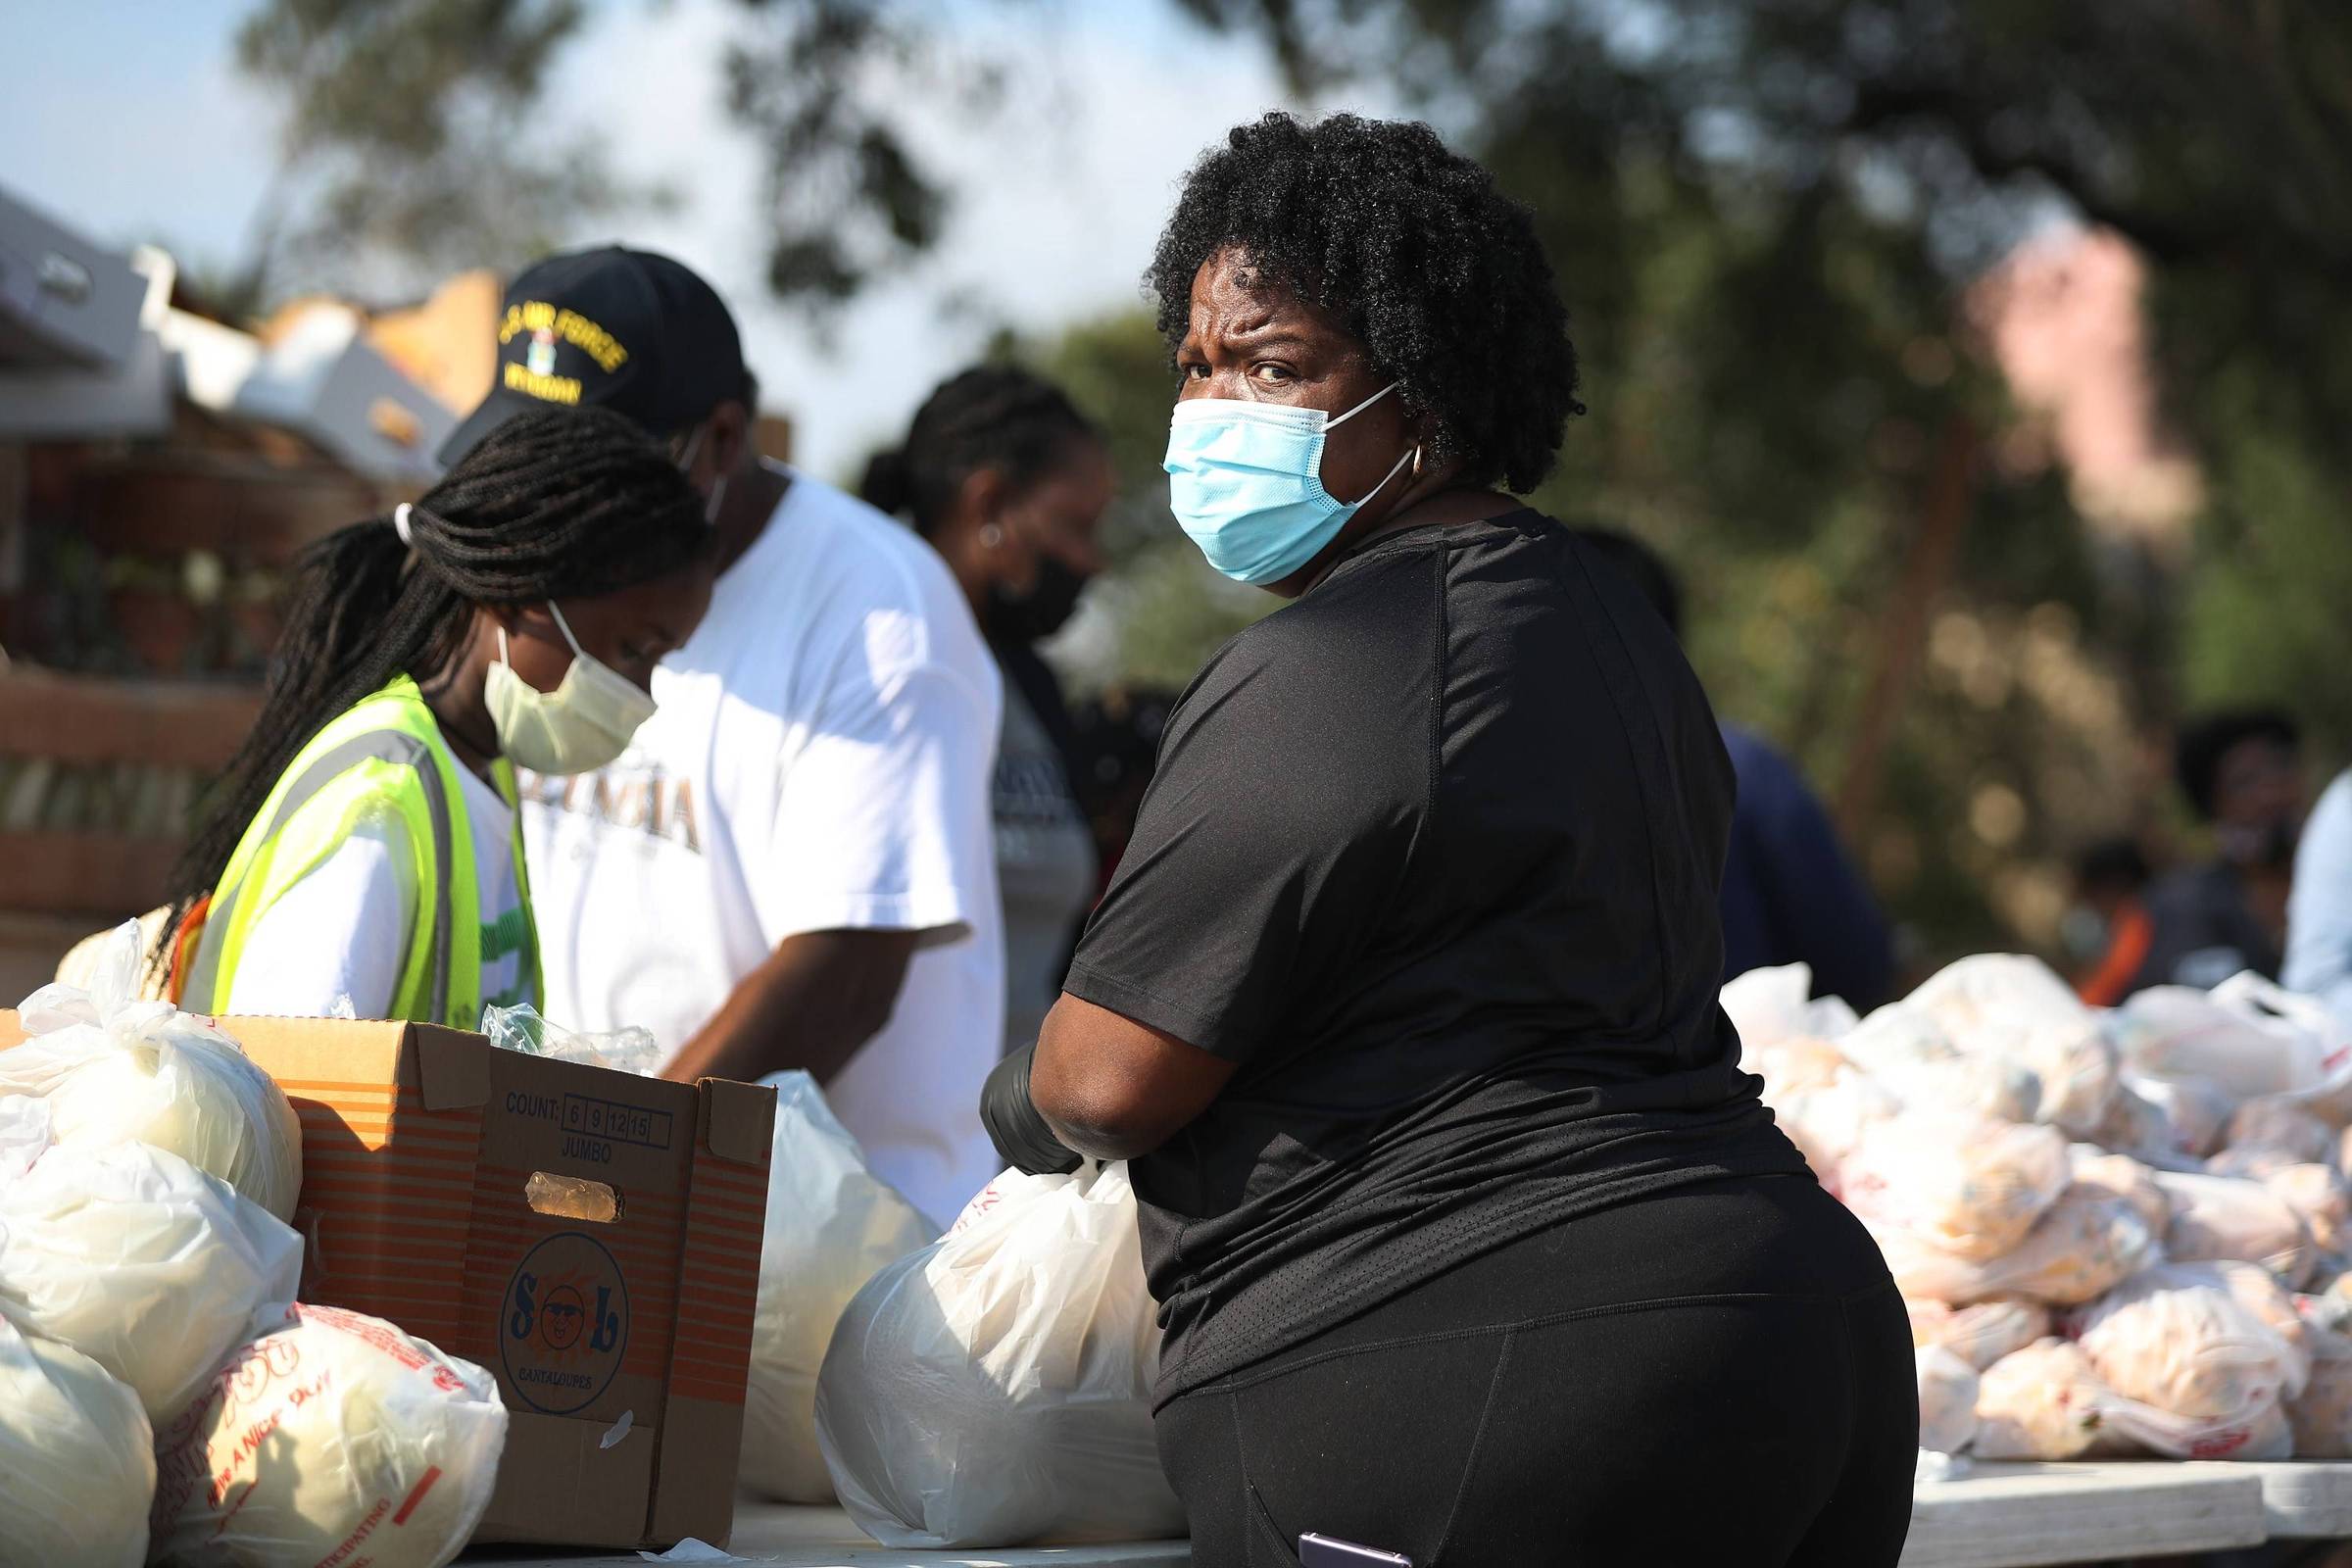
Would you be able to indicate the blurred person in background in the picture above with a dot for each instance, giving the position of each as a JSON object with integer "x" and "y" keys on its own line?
{"x": 1790, "y": 895}
{"x": 1472, "y": 1241}
{"x": 2106, "y": 930}
{"x": 364, "y": 847}
{"x": 2242, "y": 772}
{"x": 1008, "y": 482}
{"x": 792, "y": 867}
{"x": 2319, "y": 911}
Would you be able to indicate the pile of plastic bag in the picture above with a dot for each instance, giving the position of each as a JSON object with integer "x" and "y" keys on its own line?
{"x": 147, "y": 1276}
{"x": 2131, "y": 1229}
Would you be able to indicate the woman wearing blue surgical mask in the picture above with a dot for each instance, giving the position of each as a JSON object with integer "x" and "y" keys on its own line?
{"x": 363, "y": 851}
{"x": 1473, "y": 1243}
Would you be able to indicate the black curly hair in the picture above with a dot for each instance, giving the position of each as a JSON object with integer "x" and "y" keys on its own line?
{"x": 988, "y": 417}
{"x": 1432, "y": 268}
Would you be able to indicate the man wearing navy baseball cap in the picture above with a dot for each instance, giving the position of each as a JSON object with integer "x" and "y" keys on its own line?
{"x": 794, "y": 863}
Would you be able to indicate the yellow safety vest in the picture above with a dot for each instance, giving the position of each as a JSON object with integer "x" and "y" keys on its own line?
{"x": 384, "y": 756}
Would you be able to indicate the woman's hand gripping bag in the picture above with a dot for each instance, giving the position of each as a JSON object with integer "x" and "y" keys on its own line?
{"x": 328, "y": 1437}
{"x": 831, "y": 1225}
{"x": 995, "y": 1389}
{"x": 76, "y": 1460}
{"x": 115, "y": 1069}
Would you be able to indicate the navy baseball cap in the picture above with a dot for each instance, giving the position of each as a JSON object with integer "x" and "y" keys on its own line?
{"x": 626, "y": 330}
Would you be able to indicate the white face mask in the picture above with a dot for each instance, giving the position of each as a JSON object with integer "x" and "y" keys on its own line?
{"x": 581, "y": 726}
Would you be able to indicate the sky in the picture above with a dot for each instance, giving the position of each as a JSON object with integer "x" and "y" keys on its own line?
{"x": 130, "y": 123}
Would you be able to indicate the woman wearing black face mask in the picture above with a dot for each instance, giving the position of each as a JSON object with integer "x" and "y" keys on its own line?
{"x": 1008, "y": 482}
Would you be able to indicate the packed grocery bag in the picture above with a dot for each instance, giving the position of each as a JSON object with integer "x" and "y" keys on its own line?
{"x": 2018, "y": 1008}
{"x": 141, "y": 1262}
{"x": 1948, "y": 1399}
{"x": 832, "y": 1224}
{"x": 328, "y": 1437}
{"x": 995, "y": 1389}
{"x": 2044, "y": 1402}
{"x": 115, "y": 1069}
{"x": 76, "y": 1460}
{"x": 1978, "y": 1335}
{"x": 2201, "y": 1366}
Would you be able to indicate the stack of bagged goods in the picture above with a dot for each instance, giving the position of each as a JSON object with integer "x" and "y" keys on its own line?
{"x": 995, "y": 1389}
{"x": 2104, "y": 1218}
{"x": 147, "y": 1171}
{"x": 832, "y": 1225}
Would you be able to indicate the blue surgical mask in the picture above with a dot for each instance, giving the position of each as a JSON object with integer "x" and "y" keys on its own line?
{"x": 1246, "y": 480}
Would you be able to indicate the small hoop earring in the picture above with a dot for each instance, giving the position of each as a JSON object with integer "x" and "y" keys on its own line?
{"x": 991, "y": 535}
{"x": 1416, "y": 460}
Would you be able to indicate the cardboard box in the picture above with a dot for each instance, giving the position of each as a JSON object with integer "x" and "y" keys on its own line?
{"x": 420, "y": 1145}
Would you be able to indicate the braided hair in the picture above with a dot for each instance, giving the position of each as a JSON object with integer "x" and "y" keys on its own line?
{"x": 552, "y": 504}
{"x": 989, "y": 416}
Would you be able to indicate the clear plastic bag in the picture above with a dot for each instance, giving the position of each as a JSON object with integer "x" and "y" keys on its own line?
{"x": 2018, "y": 1008}
{"x": 1967, "y": 1186}
{"x": 995, "y": 1389}
{"x": 2044, "y": 1402}
{"x": 2120, "y": 1176}
{"x": 330, "y": 1436}
{"x": 1982, "y": 1334}
{"x": 142, "y": 1262}
{"x": 2084, "y": 1246}
{"x": 631, "y": 1049}
{"x": 2320, "y": 1199}
{"x": 2322, "y": 1414}
{"x": 832, "y": 1225}
{"x": 76, "y": 1460}
{"x": 2179, "y": 1339}
{"x": 2245, "y": 1036}
{"x": 2217, "y": 1217}
{"x": 1827, "y": 1123}
{"x": 2196, "y": 1109}
{"x": 1948, "y": 1399}
{"x": 2282, "y": 1122}
{"x": 115, "y": 1069}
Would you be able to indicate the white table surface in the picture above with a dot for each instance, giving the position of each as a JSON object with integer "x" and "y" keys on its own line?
{"x": 1996, "y": 1516}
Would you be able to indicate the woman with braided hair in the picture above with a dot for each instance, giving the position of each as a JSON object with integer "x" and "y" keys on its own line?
{"x": 364, "y": 845}
{"x": 1008, "y": 482}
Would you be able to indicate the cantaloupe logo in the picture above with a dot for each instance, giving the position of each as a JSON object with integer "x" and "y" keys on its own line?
{"x": 565, "y": 1324}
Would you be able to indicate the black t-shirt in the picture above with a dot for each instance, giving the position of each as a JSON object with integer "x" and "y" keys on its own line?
{"x": 1432, "y": 853}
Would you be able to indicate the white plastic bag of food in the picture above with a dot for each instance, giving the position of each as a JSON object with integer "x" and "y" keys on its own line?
{"x": 2235, "y": 1036}
{"x": 1968, "y": 1186}
{"x": 832, "y": 1224}
{"x": 2321, "y": 1198}
{"x": 77, "y": 1459}
{"x": 330, "y": 1436}
{"x": 1948, "y": 1399}
{"x": 1990, "y": 1085}
{"x": 2283, "y": 1122}
{"x": 2044, "y": 1402}
{"x": 1982, "y": 1334}
{"x": 114, "y": 1069}
{"x": 2018, "y": 1008}
{"x": 2218, "y": 1217}
{"x": 2196, "y": 1109}
{"x": 1795, "y": 1065}
{"x": 2322, "y": 1414}
{"x": 2085, "y": 1245}
{"x": 1827, "y": 1123}
{"x": 995, "y": 1389}
{"x": 2121, "y": 1177}
{"x": 142, "y": 1262}
{"x": 1771, "y": 1004}
{"x": 2180, "y": 1339}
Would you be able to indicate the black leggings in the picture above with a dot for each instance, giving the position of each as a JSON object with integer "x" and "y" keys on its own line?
{"x": 1720, "y": 1376}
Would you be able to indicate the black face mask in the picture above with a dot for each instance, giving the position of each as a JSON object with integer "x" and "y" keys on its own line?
{"x": 1041, "y": 612}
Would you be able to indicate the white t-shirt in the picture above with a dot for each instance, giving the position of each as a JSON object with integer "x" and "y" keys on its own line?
{"x": 341, "y": 932}
{"x": 819, "y": 761}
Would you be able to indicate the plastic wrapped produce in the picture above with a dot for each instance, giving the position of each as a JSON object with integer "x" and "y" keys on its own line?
{"x": 1827, "y": 1124}
{"x": 2018, "y": 1008}
{"x": 2224, "y": 1217}
{"x": 1948, "y": 1399}
{"x": 141, "y": 1262}
{"x": 2084, "y": 1246}
{"x": 330, "y": 1436}
{"x": 2198, "y": 1110}
{"x": 1978, "y": 1335}
{"x": 1990, "y": 1085}
{"x": 831, "y": 1226}
{"x": 2178, "y": 1338}
{"x": 2320, "y": 1200}
{"x": 2121, "y": 1176}
{"x": 2250, "y": 1162}
{"x": 1795, "y": 1065}
{"x": 2282, "y": 1122}
{"x": 76, "y": 1460}
{"x": 994, "y": 1389}
{"x": 2044, "y": 1402}
{"x": 628, "y": 1050}
{"x": 1967, "y": 1186}
{"x": 2322, "y": 1414}
{"x": 114, "y": 1069}
{"x": 2245, "y": 1036}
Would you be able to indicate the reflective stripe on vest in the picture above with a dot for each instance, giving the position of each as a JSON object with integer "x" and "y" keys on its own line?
{"x": 386, "y": 746}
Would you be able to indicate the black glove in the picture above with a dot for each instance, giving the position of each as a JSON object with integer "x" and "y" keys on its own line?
{"x": 1023, "y": 1140}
